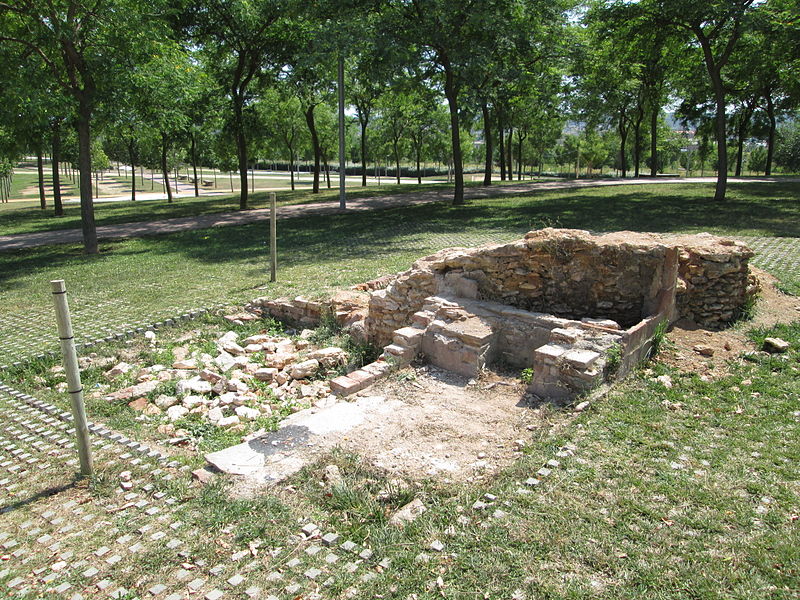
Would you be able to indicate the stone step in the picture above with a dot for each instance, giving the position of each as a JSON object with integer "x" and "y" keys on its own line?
{"x": 409, "y": 337}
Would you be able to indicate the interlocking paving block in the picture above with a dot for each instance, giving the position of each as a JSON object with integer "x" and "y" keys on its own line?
{"x": 214, "y": 595}
{"x": 157, "y": 589}
{"x": 235, "y": 580}
{"x": 254, "y": 592}
{"x": 329, "y": 539}
{"x": 196, "y": 584}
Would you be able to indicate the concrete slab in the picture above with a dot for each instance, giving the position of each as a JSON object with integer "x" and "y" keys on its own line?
{"x": 301, "y": 437}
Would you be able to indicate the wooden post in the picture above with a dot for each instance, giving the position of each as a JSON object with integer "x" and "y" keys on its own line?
{"x": 273, "y": 236}
{"x": 73, "y": 375}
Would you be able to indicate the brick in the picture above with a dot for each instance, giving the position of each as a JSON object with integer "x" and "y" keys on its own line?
{"x": 344, "y": 385}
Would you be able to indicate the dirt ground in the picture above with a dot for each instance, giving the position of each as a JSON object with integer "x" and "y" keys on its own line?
{"x": 447, "y": 426}
{"x": 453, "y": 428}
{"x": 687, "y": 340}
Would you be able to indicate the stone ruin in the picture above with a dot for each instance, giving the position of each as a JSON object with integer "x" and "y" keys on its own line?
{"x": 574, "y": 307}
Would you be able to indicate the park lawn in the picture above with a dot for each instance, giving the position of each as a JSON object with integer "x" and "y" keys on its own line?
{"x": 16, "y": 218}
{"x": 688, "y": 492}
{"x": 318, "y": 254}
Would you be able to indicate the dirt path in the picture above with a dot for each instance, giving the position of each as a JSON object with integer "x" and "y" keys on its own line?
{"x": 165, "y": 226}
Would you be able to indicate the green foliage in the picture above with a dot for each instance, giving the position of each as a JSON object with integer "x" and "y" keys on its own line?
{"x": 613, "y": 358}
{"x": 787, "y": 151}
{"x": 526, "y": 376}
{"x": 659, "y": 338}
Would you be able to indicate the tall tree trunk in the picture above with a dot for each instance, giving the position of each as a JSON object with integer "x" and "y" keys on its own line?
{"x": 85, "y": 169}
{"x": 194, "y": 167}
{"x": 132, "y": 158}
{"x": 241, "y": 149}
{"x": 510, "y": 154}
{"x": 623, "y": 136}
{"x": 654, "y": 112}
{"x": 419, "y": 173}
{"x": 291, "y": 166}
{"x": 488, "y": 145}
{"x": 502, "y": 145}
{"x": 326, "y": 169}
{"x": 40, "y": 171}
{"x": 363, "y": 123}
{"x": 520, "y": 139}
{"x": 396, "y": 159}
{"x": 770, "y": 134}
{"x": 164, "y": 147}
{"x": 744, "y": 117}
{"x": 312, "y": 128}
{"x": 451, "y": 91}
{"x": 59, "y": 207}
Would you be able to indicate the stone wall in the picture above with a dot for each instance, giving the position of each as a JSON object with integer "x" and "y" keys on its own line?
{"x": 714, "y": 279}
{"x": 574, "y": 274}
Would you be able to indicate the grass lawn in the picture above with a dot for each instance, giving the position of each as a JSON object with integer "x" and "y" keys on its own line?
{"x": 688, "y": 492}
{"x": 155, "y": 277}
{"x": 20, "y": 218}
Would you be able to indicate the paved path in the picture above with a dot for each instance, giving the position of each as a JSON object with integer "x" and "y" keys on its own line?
{"x": 165, "y": 226}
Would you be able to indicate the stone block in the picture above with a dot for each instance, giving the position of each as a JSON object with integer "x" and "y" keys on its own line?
{"x": 410, "y": 337}
{"x": 581, "y": 359}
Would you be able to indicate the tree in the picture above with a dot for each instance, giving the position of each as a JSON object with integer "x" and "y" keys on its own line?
{"x": 78, "y": 44}
{"x": 242, "y": 40}
{"x": 717, "y": 26}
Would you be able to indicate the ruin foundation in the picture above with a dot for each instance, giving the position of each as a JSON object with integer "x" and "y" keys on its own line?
{"x": 572, "y": 306}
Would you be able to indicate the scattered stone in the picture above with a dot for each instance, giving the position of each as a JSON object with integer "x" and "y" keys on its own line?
{"x": 139, "y": 404}
{"x": 665, "y": 380}
{"x": 408, "y": 513}
{"x": 704, "y": 350}
{"x": 189, "y": 364}
{"x": 266, "y": 373}
{"x": 177, "y": 412}
{"x": 228, "y": 421}
{"x": 775, "y": 345}
{"x": 246, "y": 413}
{"x": 436, "y": 546}
{"x": 204, "y": 476}
{"x": 304, "y": 369}
{"x": 117, "y": 370}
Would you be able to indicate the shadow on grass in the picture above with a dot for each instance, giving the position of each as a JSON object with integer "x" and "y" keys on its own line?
{"x": 752, "y": 209}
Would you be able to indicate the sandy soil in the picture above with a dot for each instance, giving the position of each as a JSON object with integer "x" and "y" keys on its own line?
{"x": 728, "y": 345}
{"x": 447, "y": 426}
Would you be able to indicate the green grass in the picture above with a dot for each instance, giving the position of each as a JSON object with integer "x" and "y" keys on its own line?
{"x": 687, "y": 492}
{"x": 150, "y": 279}
{"x": 27, "y": 218}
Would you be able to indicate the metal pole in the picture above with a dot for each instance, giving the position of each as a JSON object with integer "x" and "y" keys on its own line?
{"x": 273, "y": 237}
{"x": 73, "y": 375}
{"x": 342, "y": 166}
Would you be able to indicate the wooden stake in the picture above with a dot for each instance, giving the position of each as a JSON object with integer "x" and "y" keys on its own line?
{"x": 273, "y": 237}
{"x": 73, "y": 375}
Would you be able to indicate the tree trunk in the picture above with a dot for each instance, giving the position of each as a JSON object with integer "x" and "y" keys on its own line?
{"x": 326, "y": 169}
{"x": 396, "y": 159}
{"x": 59, "y": 207}
{"x": 770, "y": 134}
{"x": 85, "y": 169}
{"x": 40, "y": 171}
{"x": 740, "y": 134}
{"x": 451, "y": 91}
{"x": 654, "y": 111}
{"x": 623, "y": 136}
{"x": 510, "y": 154}
{"x": 364, "y": 123}
{"x": 419, "y": 173}
{"x": 164, "y": 147}
{"x": 520, "y": 139}
{"x": 488, "y": 146}
{"x": 291, "y": 166}
{"x": 132, "y": 157}
{"x": 241, "y": 149}
{"x": 194, "y": 167}
{"x": 502, "y": 145}
{"x": 312, "y": 128}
